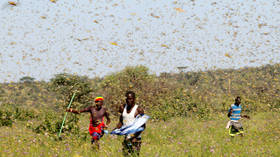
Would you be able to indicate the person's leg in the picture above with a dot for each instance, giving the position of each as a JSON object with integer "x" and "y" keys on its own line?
{"x": 127, "y": 147}
{"x": 232, "y": 131}
{"x": 95, "y": 144}
{"x": 137, "y": 147}
{"x": 238, "y": 129}
{"x": 95, "y": 140}
{"x": 241, "y": 132}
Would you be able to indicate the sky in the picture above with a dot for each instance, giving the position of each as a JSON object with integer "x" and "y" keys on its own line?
{"x": 99, "y": 37}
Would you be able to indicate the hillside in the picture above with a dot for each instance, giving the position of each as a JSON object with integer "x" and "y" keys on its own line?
{"x": 215, "y": 90}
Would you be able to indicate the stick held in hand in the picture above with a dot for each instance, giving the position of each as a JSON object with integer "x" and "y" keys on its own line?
{"x": 66, "y": 115}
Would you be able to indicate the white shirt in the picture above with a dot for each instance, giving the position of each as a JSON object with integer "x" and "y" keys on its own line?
{"x": 128, "y": 118}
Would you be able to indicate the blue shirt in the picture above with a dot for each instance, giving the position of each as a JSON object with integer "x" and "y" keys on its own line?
{"x": 236, "y": 112}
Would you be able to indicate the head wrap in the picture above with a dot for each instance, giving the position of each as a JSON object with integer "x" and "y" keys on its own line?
{"x": 99, "y": 98}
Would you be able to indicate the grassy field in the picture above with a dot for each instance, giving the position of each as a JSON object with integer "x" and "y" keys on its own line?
{"x": 193, "y": 105}
{"x": 175, "y": 137}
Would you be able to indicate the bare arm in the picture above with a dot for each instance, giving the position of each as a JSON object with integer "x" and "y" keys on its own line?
{"x": 230, "y": 112}
{"x": 73, "y": 111}
{"x": 78, "y": 112}
{"x": 107, "y": 117}
{"x": 245, "y": 116}
{"x": 120, "y": 124}
{"x": 140, "y": 111}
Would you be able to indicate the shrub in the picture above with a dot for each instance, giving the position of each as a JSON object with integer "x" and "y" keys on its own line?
{"x": 51, "y": 124}
{"x": 65, "y": 85}
{"x": 10, "y": 113}
{"x": 6, "y": 118}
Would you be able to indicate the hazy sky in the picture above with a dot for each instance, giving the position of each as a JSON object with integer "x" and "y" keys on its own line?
{"x": 40, "y": 38}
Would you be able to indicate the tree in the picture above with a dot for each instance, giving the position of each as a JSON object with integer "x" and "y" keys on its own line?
{"x": 67, "y": 84}
{"x": 27, "y": 79}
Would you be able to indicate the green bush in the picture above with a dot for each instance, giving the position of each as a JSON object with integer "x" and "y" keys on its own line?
{"x": 10, "y": 113}
{"x": 6, "y": 118}
{"x": 51, "y": 124}
{"x": 23, "y": 114}
{"x": 137, "y": 79}
{"x": 65, "y": 85}
{"x": 180, "y": 104}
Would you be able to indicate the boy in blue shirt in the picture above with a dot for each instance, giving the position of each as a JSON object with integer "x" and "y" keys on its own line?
{"x": 234, "y": 125}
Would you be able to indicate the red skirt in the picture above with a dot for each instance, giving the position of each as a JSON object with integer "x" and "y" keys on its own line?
{"x": 97, "y": 131}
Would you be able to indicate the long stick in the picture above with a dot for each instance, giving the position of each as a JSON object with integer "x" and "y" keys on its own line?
{"x": 66, "y": 114}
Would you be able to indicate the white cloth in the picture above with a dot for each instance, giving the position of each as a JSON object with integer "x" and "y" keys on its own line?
{"x": 136, "y": 126}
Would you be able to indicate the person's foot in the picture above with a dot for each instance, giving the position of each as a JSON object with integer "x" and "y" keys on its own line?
{"x": 95, "y": 147}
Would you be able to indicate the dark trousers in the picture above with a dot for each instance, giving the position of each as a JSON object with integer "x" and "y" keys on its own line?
{"x": 131, "y": 147}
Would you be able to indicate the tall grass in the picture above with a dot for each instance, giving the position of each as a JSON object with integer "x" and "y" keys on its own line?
{"x": 175, "y": 137}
